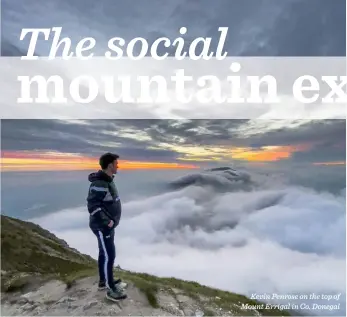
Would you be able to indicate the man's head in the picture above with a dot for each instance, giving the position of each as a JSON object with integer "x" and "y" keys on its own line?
{"x": 109, "y": 163}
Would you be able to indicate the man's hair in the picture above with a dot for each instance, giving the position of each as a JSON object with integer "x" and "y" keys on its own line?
{"x": 106, "y": 159}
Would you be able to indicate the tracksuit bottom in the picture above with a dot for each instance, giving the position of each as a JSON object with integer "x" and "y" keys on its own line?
{"x": 107, "y": 255}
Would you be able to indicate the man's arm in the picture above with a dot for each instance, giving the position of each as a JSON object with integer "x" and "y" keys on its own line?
{"x": 97, "y": 193}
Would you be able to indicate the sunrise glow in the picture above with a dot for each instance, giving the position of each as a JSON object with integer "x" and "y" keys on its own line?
{"x": 55, "y": 161}
{"x": 261, "y": 154}
{"x": 52, "y": 161}
{"x": 267, "y": 153}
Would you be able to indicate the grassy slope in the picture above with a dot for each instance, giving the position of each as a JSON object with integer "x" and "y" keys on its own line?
{"x": 27, "y": 248}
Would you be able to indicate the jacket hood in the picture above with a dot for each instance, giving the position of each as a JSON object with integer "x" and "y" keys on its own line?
{"x": 99, "y": 175}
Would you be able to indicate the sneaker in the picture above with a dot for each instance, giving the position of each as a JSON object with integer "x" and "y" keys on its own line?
{"x": 116, "y": 294}
{"x": 121, "y": 284}
{"x": 101, "y": 285}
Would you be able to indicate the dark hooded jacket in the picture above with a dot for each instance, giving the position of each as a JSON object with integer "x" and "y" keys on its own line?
{"x": 103, "y": 201}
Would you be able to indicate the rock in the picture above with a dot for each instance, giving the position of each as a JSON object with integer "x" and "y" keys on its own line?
{"x": 88, "y": 306}
{"x": 21, "y": 301}
{"x": 183, "y": 298}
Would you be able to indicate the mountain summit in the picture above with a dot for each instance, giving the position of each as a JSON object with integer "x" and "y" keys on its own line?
{"x": 42, "y": 275}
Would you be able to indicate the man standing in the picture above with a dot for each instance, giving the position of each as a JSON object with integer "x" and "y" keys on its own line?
{"x": 105, "y": 210}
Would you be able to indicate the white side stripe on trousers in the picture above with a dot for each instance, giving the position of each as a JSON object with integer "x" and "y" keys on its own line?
{"x": 106, "y": 257}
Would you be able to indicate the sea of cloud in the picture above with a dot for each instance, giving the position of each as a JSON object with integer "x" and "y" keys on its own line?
{"x": 279, "y": 239}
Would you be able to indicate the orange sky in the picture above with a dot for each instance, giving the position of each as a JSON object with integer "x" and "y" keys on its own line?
{"x": 268, "y": 153}
{"x": 32, "y": 161}
{"x": 230, "y": 153}
{"x": 53, "y": 161}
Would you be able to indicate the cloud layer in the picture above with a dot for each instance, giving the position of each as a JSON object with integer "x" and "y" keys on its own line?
{"x": 271, "y": 239}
